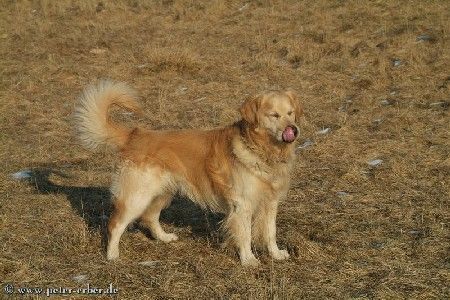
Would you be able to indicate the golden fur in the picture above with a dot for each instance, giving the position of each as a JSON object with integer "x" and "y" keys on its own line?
{"x": 241, "y": 170}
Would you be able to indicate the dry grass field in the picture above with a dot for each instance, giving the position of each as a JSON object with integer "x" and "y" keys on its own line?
{"x": 367, "y": 216}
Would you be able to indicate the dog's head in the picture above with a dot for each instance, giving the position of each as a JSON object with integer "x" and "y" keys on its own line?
{"x": 274, "y": 113}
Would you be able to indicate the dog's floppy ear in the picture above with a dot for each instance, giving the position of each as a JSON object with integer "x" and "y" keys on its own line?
{"x": 298, "y": 107}
{"x": 249, "y": 109}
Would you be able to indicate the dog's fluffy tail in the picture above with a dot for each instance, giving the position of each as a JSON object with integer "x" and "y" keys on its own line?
{"x": 93, "y": 122}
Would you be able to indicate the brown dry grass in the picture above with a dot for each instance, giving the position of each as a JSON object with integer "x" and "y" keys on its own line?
{"x": 193, "y": 62}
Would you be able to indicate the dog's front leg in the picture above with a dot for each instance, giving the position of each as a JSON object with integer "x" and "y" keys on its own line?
{"x": 239, "y": 226}
{"x": 267, "y": 216}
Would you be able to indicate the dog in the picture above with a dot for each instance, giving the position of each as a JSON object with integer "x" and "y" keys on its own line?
{"x": 241, "y": 170}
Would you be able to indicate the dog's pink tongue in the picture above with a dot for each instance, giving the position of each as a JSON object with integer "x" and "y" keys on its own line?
{"x": 288, "y": 134}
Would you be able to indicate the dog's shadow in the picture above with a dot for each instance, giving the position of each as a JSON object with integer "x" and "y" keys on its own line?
{"x": 94, "y": 205}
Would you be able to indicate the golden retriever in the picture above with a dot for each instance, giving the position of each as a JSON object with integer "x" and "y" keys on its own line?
{"x": 241, "y": 170}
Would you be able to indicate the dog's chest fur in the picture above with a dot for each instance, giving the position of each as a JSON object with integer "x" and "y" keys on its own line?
{"x": 275, "y": 175}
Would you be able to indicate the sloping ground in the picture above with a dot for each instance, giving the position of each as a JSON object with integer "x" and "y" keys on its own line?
{"x": 368, "y": 213}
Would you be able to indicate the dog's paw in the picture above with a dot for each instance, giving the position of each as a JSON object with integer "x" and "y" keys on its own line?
{"x": 280, "y": 255}
{"x": 250, "y": 262}
{"x": 112, "y": 255}
{"x": 168, "y": 237}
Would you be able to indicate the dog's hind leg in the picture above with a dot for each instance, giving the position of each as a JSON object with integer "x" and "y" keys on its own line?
{"x": 151, "y": 218}
{"x": 125, "y": 212}
{"x": 134, "y": 190}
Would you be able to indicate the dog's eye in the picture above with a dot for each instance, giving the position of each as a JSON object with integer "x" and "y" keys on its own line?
{"x": 275, "y": 115}
{"x": 290, "y": 113}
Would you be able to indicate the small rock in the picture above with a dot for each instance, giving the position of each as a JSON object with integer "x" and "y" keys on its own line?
{"x": 342, "y": 194}
{"x": 387, "y": 102}
{"x": 425, "y": 38}
{"x": 396, "y": 62}
{"x": 97, "y": 51}
{"x": 377, "y": 245}
{"x": 305, "y": 144}
{"x": 25, "y": 174}
{"x": 324, "y": 131}
{"x": 80, "y": 278}
{"x": 377, "y": 122}
{"x": 181, "y": 90}
{"x": 243, "y": 7}
{"x": 150, "y": 263}
{"x": 440, "y": 104}
{"x": 375, "y": 162}
{"x": 141, "y": 66}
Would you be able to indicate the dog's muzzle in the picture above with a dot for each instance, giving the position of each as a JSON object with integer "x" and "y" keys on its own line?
{"x": 289, "y": 134}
